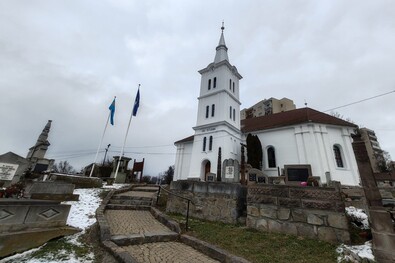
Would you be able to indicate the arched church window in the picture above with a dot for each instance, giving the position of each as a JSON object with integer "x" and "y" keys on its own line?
{"x": 209, "y": 84}
{"x": 212, "y": 110}
{"x": 230, "y": 84}
{"x": 338, "y": 156}
{"x": 207, "y": 111}
{"x": 233, "y": 87}
{"x": 210, "y": 143}
{"x": 204, "y": 144}
{"x": 234, "y": 114}
{"x": 230, "y": 112}
{"x": 271, "y": 157}
{"x": 215, "y": 83}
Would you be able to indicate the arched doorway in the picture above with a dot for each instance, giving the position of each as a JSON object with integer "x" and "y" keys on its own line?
{"x": 206, "y": 168}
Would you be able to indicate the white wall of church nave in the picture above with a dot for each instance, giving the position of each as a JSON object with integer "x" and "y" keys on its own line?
{"x": 305, "y": 144}
{"x": 284, "y": 143}
{"x": 348, "y": 175}
{"x": 183, "y": 161}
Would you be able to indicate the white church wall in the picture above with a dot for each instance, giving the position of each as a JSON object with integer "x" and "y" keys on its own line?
{"x": 347, "y": 175}
{"x": 311, "y": 144}
{"x": 183, "y": 161}
{"x": 284, "y": 143}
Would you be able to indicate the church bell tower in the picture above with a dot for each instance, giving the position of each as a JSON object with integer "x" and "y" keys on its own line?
{"x": 217, "y": 131}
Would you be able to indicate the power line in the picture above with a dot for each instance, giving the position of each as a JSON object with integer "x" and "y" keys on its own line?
{"x": 359, "y": 101}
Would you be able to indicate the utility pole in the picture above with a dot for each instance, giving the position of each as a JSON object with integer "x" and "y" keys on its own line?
{"x": 105, "y": 154}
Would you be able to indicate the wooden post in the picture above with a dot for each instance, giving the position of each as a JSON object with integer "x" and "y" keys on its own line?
{"x": 242, "y": 166}
{"x": 219, "y": 172}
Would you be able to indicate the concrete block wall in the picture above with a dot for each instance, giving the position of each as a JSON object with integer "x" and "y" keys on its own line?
{"x": 305, "y": 211}
{"x": 214, "y": 201}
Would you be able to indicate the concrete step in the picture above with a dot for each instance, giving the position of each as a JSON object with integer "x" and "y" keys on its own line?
{"x": 136, "y": 239}
{"x": 128, "y": 197}
{"x": 127, "y": 207}
{"x": 146, "y": 188}
{"x": 130, "y": 201}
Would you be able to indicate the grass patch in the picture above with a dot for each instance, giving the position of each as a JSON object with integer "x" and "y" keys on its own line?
{"x": 257, "y": 246}
{"x": 60, "y": 249}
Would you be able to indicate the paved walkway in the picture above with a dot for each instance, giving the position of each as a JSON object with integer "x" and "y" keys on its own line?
{"x": 126, "y": 222}
{"x": 167, "y": 252}
{"x": 142, "y": 222}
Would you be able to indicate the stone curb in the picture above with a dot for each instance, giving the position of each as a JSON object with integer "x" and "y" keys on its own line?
{"x": 114, "y": 243}
{"x": 211, "y": 250}
{"x": 137, "y": 239}
{"x": 166, "y": 220}
{"x": 119, "y": 253}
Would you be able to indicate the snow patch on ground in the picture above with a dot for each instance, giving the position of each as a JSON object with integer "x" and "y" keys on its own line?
{"x": 362, "y": 252}
{"x": 358, "y": 214}
{"x": 82, "y": 215}
{"x": 356, "y": 253}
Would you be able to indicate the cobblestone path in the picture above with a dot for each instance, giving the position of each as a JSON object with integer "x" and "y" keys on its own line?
{"x": 142, "y": 222}
{"x": 124, "y": 222}
{"x": 167, "y": 252}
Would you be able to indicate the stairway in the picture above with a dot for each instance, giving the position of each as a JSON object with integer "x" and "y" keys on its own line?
{"x": 134, "y": 231}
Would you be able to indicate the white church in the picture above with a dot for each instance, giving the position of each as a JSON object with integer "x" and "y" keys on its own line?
{"x": 296, "y": 137}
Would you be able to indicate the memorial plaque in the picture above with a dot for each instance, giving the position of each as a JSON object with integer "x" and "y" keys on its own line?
{"x": 252, "y": 177}
{"x": 262, "y": 179}
{"x": 297, "y": 173}
{"x": 229, "y": 172}
{"x": 7, "y": 171}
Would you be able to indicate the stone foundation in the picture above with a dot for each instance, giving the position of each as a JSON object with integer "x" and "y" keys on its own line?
{"x": 305, "y": 211}
{"x": 214, "y": 201}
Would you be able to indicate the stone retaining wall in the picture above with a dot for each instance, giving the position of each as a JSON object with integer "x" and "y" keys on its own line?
{"x": 214, "y": 201}
{"x": 313, "y": 212}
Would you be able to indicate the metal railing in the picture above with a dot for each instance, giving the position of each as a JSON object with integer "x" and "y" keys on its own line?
{"x": 179, "y": 196}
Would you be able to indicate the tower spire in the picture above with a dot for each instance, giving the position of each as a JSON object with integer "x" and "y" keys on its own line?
{"x": 221, "y": 50}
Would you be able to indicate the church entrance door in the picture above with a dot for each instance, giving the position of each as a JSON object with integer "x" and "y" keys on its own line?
{"x": 207, "y": 169}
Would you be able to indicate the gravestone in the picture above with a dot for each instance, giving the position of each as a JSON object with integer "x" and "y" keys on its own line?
{"x": 256, "y": 176}
{"x": 294, "y": 174}
{"x": 211, "y": 177}
{"x": 52, "y": 191}
{"x": 230, "y": 171}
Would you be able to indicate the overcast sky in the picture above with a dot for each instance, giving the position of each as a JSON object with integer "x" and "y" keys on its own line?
{"x": 66, "y": 60}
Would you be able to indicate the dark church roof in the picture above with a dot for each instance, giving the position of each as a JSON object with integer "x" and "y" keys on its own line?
{"x": 286, "y": 118}
{"x": 291, "y": 117}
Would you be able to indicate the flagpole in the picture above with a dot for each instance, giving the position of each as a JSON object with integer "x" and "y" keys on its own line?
{"x": 100, "y": 144}
{"x": 124, "y": 142}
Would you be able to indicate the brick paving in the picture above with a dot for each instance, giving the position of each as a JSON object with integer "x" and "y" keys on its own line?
{"x": 167, "y": 252}
{"x": 124, "y": 222}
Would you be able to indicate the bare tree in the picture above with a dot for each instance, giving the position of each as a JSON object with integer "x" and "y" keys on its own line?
{"x": 64, "y": 167}
{"x": 340, "y": 116}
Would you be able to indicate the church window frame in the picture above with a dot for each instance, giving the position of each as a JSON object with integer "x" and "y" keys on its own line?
{"x": 207, "y": 111}
{"x": 230, "y": 112}
{"x": 234, "y": 114}
{"x": 271, "y": 157}
{"x": 210, "y": 143}
{"x": 212, "y": 110}
{"x": 233, "y": 87}
{"x": 209, "y": 84}
{"x": 338, "y": 156}
{"x": 204, "y": 144}
{"x": 230, "y": 84}
{"x": 214, "y": 82}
